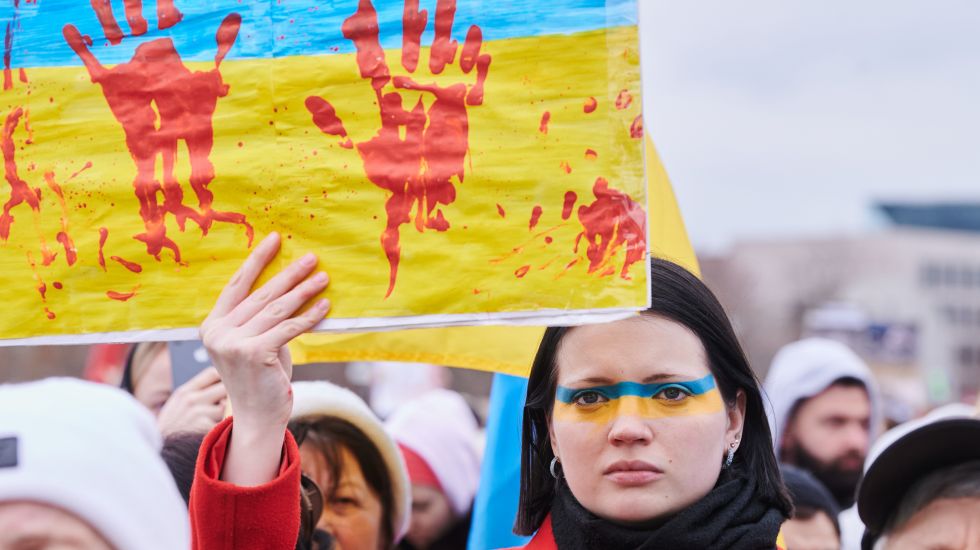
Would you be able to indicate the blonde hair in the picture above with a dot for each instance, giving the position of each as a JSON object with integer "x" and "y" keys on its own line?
{"x": 143, "y": 355}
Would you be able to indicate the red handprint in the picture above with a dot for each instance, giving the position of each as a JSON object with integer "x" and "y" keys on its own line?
{"x": 418, "y": 169}
{"x": 184, "y": 106}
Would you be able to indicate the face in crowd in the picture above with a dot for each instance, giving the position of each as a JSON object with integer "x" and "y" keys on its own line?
{"x": 639, "y": 426}
{"x": 30, "y": 525}
{"x": 829, "y": 435}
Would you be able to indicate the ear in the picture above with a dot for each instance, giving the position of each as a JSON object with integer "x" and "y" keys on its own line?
{"x": 736, "y": 419}
{"x": 553, "y": 440}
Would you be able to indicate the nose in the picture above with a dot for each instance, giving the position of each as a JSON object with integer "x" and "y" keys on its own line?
{"x": 858, "y": 437}
{"x": 627, "y": 430}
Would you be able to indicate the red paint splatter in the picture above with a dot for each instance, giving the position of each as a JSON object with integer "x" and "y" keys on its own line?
{"x": 500, "y": 210}
{"x": 103, "y": 235}
{"x": 545, "y": 118}
{"x": 71, "y": 253}
{"x": 612, "y": 221}
{"x": 591, "y": 154}
{"x": 121, "y": 296}
{"x": 636, "y": 129}
{"x": 522, "y": 271}
{"x": 80, "y": 170}
{"x": 132, "y": 266}
{"x": 22, "y": 75}
{"x": 624, "y": 100}
{"x": 20, "y": 191}
{"x": 590, "y": 105}
{"x": 535, "y": 216}
{"x": 41, "y": 288}
{"x": 421, "y": 169}
{"x": 49, "y": 314}
{"x": 57, "y": 285}
{"x": 548, "y": 240}
{"x": 159, "y": 102}
{"x": 567, "y": 168}
{"x": 566, "y": 209}
{"x": 167, "y": 16}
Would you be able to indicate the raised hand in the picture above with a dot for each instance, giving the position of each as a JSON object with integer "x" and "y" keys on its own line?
{"x": 418, "y": 170}
{"x": 159, "y": 102}
{"x": 246, "y": 335}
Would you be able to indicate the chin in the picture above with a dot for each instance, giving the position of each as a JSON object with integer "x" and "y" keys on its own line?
{"x": 635, "y": 509}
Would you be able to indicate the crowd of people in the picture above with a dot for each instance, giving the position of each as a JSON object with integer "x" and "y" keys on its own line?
{"x": 651, "y": 432}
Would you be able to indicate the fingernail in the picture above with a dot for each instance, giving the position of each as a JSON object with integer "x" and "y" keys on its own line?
{"x": 320, "y": 278}
{"x": 271, "y": 236}
{"x": 308, "y": 259}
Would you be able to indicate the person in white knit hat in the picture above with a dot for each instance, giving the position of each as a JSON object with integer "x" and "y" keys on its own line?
{"x": 437, "y": 434}
{"x": 80, "y": 468}
{"x": 344, "y": 448}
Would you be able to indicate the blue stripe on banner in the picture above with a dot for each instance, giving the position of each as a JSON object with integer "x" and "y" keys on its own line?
{"x": 273, "y": 28}
{"x": 615, "y": 391}
{"x": 500, "y": 479}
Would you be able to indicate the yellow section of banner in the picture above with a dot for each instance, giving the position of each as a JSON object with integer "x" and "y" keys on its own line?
{"x": 552, "y": 148}
{"x": 508, "y": 350}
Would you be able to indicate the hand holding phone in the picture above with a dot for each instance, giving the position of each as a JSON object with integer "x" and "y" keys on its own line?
{"x": 195, "y": 406}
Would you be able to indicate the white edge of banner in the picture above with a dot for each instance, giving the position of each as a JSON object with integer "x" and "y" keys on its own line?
{"x": 368, "y": 324}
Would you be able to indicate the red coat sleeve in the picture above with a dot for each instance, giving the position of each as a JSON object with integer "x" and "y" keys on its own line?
{"x": 227, "y": 516}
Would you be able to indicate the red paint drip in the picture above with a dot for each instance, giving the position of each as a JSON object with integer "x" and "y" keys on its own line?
{"x": 103, "y": 235}
{"x": 612, "y": 221}
{"x": 591, "y": 154}
{"x": 535, "y": 216}
{"x": 522, "y": 271}
{"x": 8, "y": 46}
{"x": 590, "y": 105}
{"x": 132, "y": 266}
{"x": 421, "y": 169}
{"x": 566, "y": 209}
{"x": 500, "y": 210}
{"x": 624, "y": 100}
{"x": 549, "y": 240}
{"x": 20, "y": 191}
{"x": 567, "y": 168}
{"x": 22, "y": 75}
{"x": 71, "y": 253}
{"x": 41, "y": 288}
{"x": 636, "y": 129}
{"x": 413, "y": 25}
{"x": 49, "y": 314}
{"x": 120, "y": 296}
{"x": 159, "y": 102}
{"x": 545, "y": 118}
{"x": 57, "y": 285}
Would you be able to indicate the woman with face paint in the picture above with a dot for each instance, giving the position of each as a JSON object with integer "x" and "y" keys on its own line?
{"x": 649, "y": 432}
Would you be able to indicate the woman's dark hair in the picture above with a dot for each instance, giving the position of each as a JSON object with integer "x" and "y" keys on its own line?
{"x": 180, "y": 452}
{"x": 330, "y": 435}
{"x": 681, "y": 297}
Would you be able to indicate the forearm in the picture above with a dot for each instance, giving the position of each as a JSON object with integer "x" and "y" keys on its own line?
{"x": 254, "y": 453}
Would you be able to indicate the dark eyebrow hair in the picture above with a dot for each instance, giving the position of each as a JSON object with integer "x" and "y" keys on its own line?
{"x": 604, "y": 381}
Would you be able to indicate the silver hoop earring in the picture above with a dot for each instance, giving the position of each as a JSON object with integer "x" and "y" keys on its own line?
{"x": 554, "y": 462}
{"x": 731, "y": 454}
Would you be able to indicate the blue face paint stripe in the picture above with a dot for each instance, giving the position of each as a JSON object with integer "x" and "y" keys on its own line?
{"x": 615, "y": 391}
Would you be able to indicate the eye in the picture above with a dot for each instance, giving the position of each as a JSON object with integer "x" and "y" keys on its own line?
{"x": 673, "y": 393}
{"x": 589, "y": 397}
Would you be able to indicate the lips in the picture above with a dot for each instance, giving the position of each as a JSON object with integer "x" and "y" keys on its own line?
{"x": 631, "y": 473}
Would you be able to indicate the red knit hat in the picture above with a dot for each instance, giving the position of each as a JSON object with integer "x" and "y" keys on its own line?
{"x": 419, "y": 471}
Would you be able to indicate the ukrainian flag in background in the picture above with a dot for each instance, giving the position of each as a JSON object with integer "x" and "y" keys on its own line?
{"x": 451, "y": 157}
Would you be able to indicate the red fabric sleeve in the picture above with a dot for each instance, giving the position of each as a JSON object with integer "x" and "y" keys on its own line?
{"x": 227, "y": 516}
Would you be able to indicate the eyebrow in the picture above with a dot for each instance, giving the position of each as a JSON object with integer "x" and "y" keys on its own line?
{"x": 604, "y": 381}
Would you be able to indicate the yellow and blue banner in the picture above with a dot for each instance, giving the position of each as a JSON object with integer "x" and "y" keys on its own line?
{"x": 451, "y": 161}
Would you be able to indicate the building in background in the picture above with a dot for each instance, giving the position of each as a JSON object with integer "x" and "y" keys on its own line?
{"x": 906, "y": 298}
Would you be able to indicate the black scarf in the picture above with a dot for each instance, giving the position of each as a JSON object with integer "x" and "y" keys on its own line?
{"x": 731, "y": 516}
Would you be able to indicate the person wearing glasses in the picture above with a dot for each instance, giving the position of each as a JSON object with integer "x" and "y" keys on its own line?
{"x": 649, "y": 432}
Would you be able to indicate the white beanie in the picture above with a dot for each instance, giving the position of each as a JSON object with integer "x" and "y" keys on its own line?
{"x": 94, "y": 451}
{"x": 440, "y": 427}
{"x": 312, "y": 399}
{"x": 806, "y": 368}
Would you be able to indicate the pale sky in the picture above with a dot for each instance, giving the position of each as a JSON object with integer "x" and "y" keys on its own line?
{"x": 788, "y": 118}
